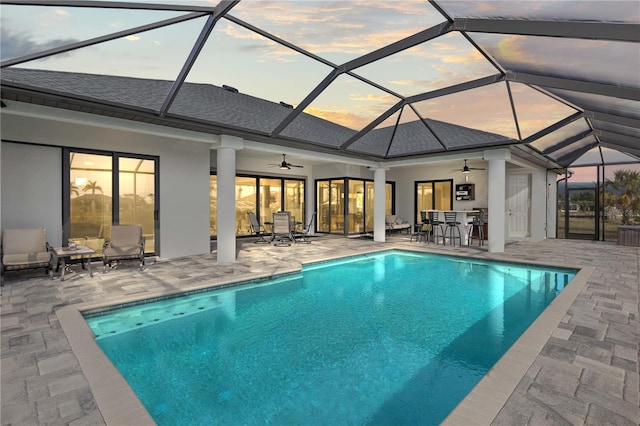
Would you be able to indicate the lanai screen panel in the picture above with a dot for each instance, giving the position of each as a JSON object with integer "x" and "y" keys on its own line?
{"x": 594, "y": 11}
{"x": 154, "y": 54}
{"x": 595, "y": 157}
{"x": 575, "y": 59}
{"x": 445, "y": 61}
{"x": 251, "y": 63}
{"x": 552, "y": 139}
{"x": 339, "y": 31}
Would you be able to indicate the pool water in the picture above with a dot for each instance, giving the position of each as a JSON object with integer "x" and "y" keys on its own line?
{"x": 389, "y": 338}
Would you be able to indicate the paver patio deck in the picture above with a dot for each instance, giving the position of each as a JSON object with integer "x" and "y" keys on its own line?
{"x": 586, "y": 371}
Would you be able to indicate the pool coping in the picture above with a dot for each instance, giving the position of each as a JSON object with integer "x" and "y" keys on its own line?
{"x": 119, "y": 404}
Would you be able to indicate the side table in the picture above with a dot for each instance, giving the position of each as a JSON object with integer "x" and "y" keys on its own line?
{"x": 64, "y": 253}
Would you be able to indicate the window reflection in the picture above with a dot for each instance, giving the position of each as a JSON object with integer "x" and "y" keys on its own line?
{"x": 433, "y": 195}
{"x": 91, "y": 199}
{"x": 356, "y": 204}
{"x": 137, "y": 196}
{"x": 294, "y": 199}
{"x": 92, "y": 203}
{"x": 270, "y": 198}
{"x": 262, "y": 195}
{"x": 213, "y": 205}
{"x": 246, "y": 193}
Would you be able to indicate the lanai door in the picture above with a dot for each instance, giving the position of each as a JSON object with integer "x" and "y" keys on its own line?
{"x": 518, "y": 205}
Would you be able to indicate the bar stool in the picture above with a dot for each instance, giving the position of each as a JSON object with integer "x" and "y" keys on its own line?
{"x": 477, "y": 225}
{"x": 421, "y": 230}
{"x": 451, "y": 220}
{"x": 435, "y": 225}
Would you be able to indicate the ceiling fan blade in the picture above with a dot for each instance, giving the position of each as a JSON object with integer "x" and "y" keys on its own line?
{"x": 294, "y": 165}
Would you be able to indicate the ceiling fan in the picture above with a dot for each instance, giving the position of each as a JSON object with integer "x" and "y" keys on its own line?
{"x": 284, "y": 165}
{"x": 466, "y": 169}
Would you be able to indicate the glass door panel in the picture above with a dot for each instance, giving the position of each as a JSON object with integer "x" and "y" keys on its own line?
{"x": 443, "y": 199}
{"x": 294, "y": 199}
{"x": 388, "y": 189}
{"x": 246, "y": 193}
{"x": 91, "y": 199}
{"x": 355, "y": 207}
{"x": 337, "y": 206}
{"x": 270, "y": 198}
{"x": 424, "y": 198}
{"x": 368, "y": 202}
{"x": 323, "y": 205}
{"x": 213, "y": 205}
{"x": 136, "y": 187}
{"x": 582, "y": 217}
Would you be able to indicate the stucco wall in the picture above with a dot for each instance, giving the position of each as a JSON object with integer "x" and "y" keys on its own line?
{"x": 31, "y": 188}
{"x": 184, "y": 169}
{"x": 405, "y": 177}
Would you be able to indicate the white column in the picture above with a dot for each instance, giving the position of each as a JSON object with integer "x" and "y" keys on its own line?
{"x": 552, "y": 204}
{"x": 379, "y": 204}
{"x": 538, "y": 213}
{"x": 226, "y": 197}
{"x": 496, "y": 196}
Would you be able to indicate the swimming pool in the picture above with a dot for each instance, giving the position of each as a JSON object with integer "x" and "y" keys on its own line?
{"x": 395, "y": 337}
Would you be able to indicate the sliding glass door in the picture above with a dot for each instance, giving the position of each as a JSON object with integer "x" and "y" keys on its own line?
{"x": 433, "y": 195}
{"x": 337, "y": 199}
{"x": 105, "y": 189}
{"x": 261, "y": 195}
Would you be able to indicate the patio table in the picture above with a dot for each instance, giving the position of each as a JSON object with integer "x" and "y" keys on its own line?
{"x": 64, "y": 253}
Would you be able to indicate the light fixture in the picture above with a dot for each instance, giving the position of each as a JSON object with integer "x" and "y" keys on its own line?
{"x": 465, "y": 169}
{"x": 284, "y": 166}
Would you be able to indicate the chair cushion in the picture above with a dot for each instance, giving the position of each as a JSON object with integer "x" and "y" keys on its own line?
{"x": 125, "y": 236}
{"x": 390, "y": 219}
{"x": 28, "y": 240}
{"x": 26, "y": 259}
{"x": 131, "y": 251}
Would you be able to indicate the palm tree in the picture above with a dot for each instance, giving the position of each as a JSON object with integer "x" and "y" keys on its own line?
{"x": 92, "y": 186}
{"x": 73, "y": 189}
{"x": 625, "y": 188}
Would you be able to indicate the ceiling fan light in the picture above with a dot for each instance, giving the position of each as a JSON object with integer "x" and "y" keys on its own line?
{"x": 284, "y": 167}
{"x": 466, "y": 170}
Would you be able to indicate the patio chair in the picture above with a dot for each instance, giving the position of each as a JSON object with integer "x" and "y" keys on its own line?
{"x": 257, "y": 229}
{"x": 282, "y": 229}
{"x": 301, "y": 235}
{"x": 477, "y": 228}
{"x": 437, "y": 229}
{"x": 126, "y": 243}
{"x": 452, "y": 228}
{"x": 24, "y": 249}
{"x": 422, "y": 229}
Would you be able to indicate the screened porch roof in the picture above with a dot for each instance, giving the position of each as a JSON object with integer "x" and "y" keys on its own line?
{"x": 374, "y": 80}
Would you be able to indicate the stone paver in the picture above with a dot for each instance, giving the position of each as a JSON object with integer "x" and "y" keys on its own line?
{"x": 586, "y": 373}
